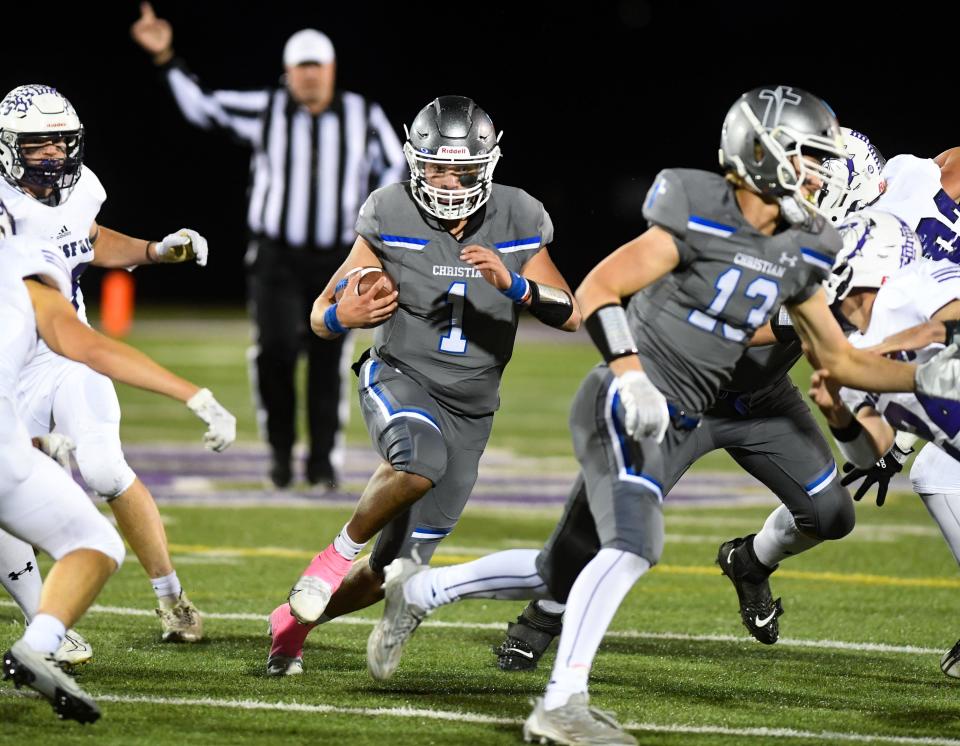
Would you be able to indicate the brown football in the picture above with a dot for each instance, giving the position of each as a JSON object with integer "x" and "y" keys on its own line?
{"x": 368, "y": 276}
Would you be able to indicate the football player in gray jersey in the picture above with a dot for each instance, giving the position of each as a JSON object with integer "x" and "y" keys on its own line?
{"x": 720, "y": 255}
{"x": 467, "y": 255}
{"x": 761, "y": 420}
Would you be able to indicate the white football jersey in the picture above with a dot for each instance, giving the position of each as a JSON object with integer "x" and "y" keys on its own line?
{"x": 67, "y": 225}
{"x": 910, "y": 297}
{"x": 23, "y": 257}
{"x": 914, "y": 195}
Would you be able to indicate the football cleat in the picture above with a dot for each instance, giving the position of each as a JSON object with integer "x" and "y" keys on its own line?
{"x": 310, "y": 595}
{"x": 44, "y": 674}
{"x": 751, "y": 580}
{"x": 575, "y": 723}
{"x": 399, "y": 621}
{"x": 74, "y": 650}
{"x": 527, "y": 639}
{"x": 286, "y": 643}
{"x": 950, "y": 662}
{"x": 180, "y": 620}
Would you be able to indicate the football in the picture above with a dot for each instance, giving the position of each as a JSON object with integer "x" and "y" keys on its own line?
{"x": 368, "y": 276}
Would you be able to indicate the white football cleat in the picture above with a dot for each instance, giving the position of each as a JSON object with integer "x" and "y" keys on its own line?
{"x": 180, "y": 620}
{"x": 575, "y": 723}
{"x": 74, "y": 650}
{"x": 398, "y": 623}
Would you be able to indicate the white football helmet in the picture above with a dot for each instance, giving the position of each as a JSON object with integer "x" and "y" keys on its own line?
{"x": 861, "y": 169}
{"x": 875, "y": 245}
{"x": 33, "y": 114}
{"x": 452, "y": 132}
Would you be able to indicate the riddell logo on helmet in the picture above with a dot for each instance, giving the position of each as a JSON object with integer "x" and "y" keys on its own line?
{"x": 447, "y": 150}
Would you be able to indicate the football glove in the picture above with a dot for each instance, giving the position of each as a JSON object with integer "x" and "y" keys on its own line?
{"x": 222, "y": 430}
{"x": 646, "y": 414}
{"x": 879, "y": 474}
{"x": 182, "y": 246}
{"x": 57, "y": 446}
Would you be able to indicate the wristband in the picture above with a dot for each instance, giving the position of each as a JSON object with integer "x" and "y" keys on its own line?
{"x": 518, "y": 288}
{"x": 331, "y": 321}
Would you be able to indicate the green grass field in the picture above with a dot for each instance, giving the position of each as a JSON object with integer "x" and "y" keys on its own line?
{"x": 866, "y": 618}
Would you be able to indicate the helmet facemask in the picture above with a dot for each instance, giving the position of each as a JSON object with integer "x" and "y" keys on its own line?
{"x": 452, "y": 149}
{"x": 61, "y": 173}
{"x": 475, "y": 174}
{"x": 862, "y": 168}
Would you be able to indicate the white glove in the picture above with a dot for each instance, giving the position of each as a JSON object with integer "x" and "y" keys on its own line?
{"x": 645, "y": 408}
{"x": 940, "y": 375}
{"x": 57, "y": 446}
{"x": 222, "y": 430}
{"x": 182, "y": 246}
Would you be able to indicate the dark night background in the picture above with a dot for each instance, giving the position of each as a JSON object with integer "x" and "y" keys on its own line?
{"x": 593, "y": 100}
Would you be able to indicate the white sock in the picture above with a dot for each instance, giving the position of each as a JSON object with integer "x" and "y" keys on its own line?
{"x": 347, "y": 547}
{"x": 507, "y": 575}
{"x": 18, "y": 560}
{"x": 780, "y": 538}
{"x": 945, "y": 511}
{"x": 594, "y": 599}
{"x": 168, "y": 587}
{"x": 44, "y": 634}
{"x": 551, "y": 607}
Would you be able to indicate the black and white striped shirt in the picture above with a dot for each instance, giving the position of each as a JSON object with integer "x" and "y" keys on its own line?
{"x": 309, "y": 173}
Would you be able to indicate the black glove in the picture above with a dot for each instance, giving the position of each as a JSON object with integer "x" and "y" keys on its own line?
{"x": 879, "y": 474}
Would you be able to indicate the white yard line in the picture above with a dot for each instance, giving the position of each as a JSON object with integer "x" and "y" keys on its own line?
{"x": 872, "y": 647}
{"x": 473, "y": 717}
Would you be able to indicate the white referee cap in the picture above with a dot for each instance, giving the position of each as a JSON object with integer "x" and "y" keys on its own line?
{"x": 308, "y": 45}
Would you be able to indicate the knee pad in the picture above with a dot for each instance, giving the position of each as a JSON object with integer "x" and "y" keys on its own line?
{"x": 102, "y": 464}
{"x": 414, "y": 446}
{"x": 830, "y": 514}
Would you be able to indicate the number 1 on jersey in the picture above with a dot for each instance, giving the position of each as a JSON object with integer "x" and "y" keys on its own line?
{"x": 454, "y": 341}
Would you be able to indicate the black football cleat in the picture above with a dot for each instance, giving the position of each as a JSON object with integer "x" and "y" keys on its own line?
{"x": 527, "y": 639}
{"x": 758, "y": 610}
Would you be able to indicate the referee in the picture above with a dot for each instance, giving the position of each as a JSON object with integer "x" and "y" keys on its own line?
{"x": 317, "y": 153}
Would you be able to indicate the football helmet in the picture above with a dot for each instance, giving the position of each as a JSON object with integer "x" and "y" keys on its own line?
{"x": 862, "y": 169}
{"x": 31, "y": 114}
{"x": 766, "y": 135}
{"x": 875, "y": 245}
{"x": 452, "y": 132}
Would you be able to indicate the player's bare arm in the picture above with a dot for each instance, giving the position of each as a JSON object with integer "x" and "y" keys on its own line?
{"x": 919, "y": 336}
{"x": 541, "y": 270}
{"x": 827, "y": 348}
{"x": 629, "y": 269}
{"x": 66, "y": 335}
{"x": 824, "y": 392}
{"x": 115, "y": 250}
{"x": 353, "y": 310}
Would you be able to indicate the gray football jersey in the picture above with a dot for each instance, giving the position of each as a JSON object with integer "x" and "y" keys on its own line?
{"x": 453, "y": 332}
{"x": 692, "y": 326}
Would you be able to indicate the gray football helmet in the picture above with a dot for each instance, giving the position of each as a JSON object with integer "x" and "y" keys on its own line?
{"x": 452, "y": 134}
{"x": 766, "y": 135}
